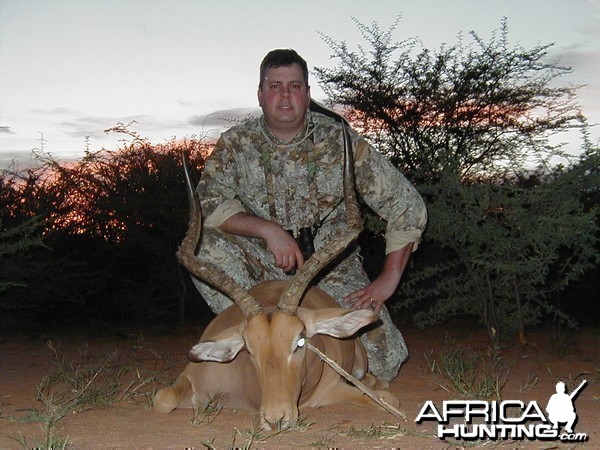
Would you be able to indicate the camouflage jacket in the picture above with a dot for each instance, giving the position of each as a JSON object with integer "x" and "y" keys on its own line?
{"x": 252, "y": 171}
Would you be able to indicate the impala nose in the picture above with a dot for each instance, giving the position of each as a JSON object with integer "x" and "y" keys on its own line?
{"x": 278, "y": 419}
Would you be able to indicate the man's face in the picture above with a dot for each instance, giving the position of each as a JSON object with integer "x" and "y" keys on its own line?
{"x": 284, "y": 97}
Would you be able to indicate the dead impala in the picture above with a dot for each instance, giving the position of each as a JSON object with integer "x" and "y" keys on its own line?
{"x": 254, "y": 353}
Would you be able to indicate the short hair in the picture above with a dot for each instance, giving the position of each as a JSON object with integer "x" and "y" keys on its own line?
{"x": 279, "y": 58}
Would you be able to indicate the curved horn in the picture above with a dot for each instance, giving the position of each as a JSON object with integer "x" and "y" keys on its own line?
{"x": 290, "y": 298}
{"x": 186, "y": 255}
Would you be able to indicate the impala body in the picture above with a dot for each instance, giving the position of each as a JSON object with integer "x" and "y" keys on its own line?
{"x": 261, "y": 364}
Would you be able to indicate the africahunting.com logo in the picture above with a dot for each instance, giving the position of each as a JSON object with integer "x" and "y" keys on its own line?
{"x": 510, "y": 419}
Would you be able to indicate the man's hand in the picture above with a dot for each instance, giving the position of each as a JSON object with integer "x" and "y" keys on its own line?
{"x": 280, "y": 243}
{"x": 376, "y": 293}
{"x": 384, "y": 286}
{"x": 284, "y": 248}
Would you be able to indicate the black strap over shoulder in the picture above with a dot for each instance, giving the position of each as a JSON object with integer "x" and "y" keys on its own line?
{"x": 322, "y": 109}
{"x": 347, "y": 145}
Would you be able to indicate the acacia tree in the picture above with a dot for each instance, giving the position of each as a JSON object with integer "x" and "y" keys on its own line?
{"x": 112, "y": 221}
{"x": 509, "y": 247}
{"x": 15, "y": 243}
{"x": 486, "y": 107}
{"x": 468, "y": 123}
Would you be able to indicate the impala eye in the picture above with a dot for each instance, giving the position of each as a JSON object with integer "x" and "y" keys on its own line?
{"x": 301, "y": 342}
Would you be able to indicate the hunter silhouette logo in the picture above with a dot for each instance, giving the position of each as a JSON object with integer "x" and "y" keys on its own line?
{"x": 560, "y": 407}
{"x": 507, "y": 419}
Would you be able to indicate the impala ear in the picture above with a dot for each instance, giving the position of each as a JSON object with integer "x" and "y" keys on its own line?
{"x": 336, "y": 322}
{"x": 223, "y": 347}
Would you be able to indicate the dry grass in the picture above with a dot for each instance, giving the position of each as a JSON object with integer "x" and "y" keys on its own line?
{"x": 79, "y": 386}
{"x": 457, "y": 368}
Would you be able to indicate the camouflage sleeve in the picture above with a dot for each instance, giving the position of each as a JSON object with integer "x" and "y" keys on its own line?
{"x": 391, "y": 196}
{"x": 217, "y": 189}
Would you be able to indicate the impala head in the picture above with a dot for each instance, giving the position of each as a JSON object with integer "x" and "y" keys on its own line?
{"x": 276, "y": 342}
{"x": 275, "y": 337}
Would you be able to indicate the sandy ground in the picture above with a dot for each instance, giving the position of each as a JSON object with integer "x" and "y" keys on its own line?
{"x": 148, "y": 362}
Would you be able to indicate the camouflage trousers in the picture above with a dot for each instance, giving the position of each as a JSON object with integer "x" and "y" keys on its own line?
{"x": 249, "y": 262}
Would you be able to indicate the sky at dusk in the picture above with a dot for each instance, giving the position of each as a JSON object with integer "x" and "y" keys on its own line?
{"x": 182, "y": 68}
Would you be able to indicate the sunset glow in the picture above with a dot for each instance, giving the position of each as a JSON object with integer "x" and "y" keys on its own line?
{"x": 99, "y": 195}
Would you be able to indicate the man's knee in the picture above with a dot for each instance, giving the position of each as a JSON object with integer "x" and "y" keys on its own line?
{"x": 386, "y": 350}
